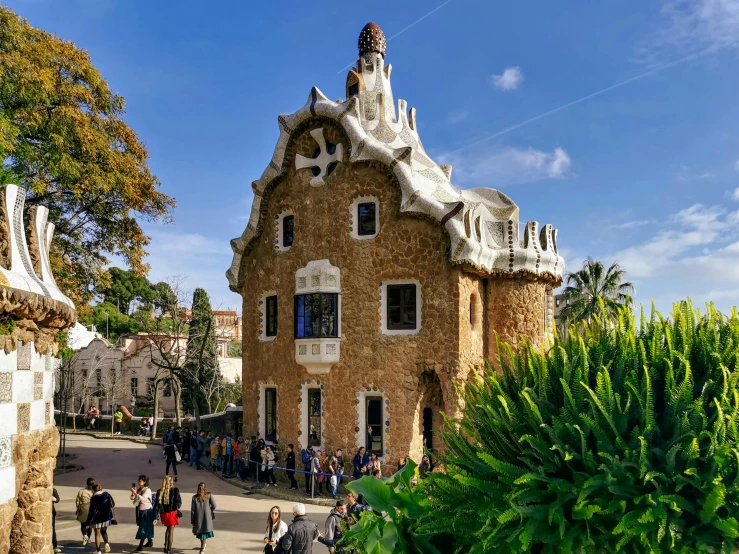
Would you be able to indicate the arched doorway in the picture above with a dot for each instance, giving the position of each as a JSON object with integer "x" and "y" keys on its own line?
{"x": 428, "y": 416}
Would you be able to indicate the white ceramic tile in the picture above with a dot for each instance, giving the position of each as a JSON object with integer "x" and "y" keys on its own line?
{"x": 38, "y": 361}
{"x": 23, "y": 386}
{"x": 38, "y": 415}
{"x": 48, "y": 385}
{"x": 7, "y": 484}
{"x": 8, "y": 362}
{"x": 8, "y": 419}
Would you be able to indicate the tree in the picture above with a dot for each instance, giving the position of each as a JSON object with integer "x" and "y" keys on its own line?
{"x": 63, "y": 138}
{"x": 235, "y": 349}
{"x": 126, "y": 290}
{"x": 199, "y": 373}
{"x": 593, "y": 285}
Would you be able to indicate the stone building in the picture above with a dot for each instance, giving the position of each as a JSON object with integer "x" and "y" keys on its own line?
{"x": 227, "y": 324}
{"x": 32, "y": 311}
{"x": 371, "y": 284}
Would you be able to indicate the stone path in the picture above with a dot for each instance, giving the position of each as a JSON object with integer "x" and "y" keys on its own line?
{"x": 240, "y": 519}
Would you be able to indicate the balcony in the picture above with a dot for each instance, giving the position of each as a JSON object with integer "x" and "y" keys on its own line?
{"x": 318, "y": 355}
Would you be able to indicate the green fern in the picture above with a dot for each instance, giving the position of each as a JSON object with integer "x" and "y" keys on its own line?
{"x": 620, "y": 438}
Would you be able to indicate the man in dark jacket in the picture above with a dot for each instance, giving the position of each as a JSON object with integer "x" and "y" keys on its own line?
{"x": 306, "y": 455}
{"x": 360, "y": 462}
{"x": 334, "y": 532}
{"x": 300, "y": 534}
{"x": 202, "y": 443}
{"x": 290, "y": 465}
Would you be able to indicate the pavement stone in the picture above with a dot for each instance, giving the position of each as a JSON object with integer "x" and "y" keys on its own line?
{"x": 240, "y": 518}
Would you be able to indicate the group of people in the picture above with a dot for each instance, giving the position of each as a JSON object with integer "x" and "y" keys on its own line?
{"x": 298, "y": 537}
{"x": 96, "y": 512}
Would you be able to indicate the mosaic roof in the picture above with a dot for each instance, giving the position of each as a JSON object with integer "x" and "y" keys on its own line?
{"x": 483, "y": 224}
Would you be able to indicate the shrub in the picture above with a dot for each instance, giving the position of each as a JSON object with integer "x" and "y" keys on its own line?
{"x": 619, "y": 438}
{"x": 393, "y": 525}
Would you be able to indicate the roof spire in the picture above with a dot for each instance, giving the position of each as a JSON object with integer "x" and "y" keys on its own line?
{"x": 371, "y": 39}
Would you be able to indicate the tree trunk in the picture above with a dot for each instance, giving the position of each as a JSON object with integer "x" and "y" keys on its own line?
{"x": 177, "y": 401}
{"x": 195, "y": 410}
{"x": 156, "y": 411}
{"x": 74, "y": 415}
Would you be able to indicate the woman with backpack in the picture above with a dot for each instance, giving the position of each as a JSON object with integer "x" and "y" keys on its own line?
{"x": 202, "y": 514}
{"x": 143, "y": 501}
{"x": 100, "y": 516}
{"x": 167, "y": 510}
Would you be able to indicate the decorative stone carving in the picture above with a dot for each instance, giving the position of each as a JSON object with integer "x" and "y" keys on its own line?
{"x": 324, "y": 159}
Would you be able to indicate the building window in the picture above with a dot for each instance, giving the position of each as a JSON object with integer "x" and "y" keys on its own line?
{"x": 314, "y": 417}
{"x": 134, "y": 387}
{"x": 316, "y": 315}
{"x": 373, "y": 410}
{"x": 271, "y": 310}
{"x": 401, "y": 307}
{"x": 284, "y": 230}
{"x": 366, "y": 218}
{"x": 270, "y": 414}
{"x": 99, "y": 378}
{"x": 288, "y": 227}
{"x": 167, "y": 388}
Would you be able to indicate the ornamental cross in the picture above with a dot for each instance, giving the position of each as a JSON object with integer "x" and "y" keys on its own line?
{"x": 324, "y": 160}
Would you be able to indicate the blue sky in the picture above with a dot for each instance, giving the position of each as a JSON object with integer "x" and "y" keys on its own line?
{"x": 646, "y": 173}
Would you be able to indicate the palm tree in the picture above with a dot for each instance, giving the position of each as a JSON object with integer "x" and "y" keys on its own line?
{"x": 591, "y": 285}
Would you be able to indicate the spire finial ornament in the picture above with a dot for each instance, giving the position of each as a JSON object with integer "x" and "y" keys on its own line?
{"x": 372, "y": 39}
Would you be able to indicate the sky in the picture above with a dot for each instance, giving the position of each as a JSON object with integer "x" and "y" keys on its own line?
{"x": 617, "y": 122}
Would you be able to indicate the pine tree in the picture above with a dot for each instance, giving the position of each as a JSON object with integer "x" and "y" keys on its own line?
{"x": 201, "y": 366}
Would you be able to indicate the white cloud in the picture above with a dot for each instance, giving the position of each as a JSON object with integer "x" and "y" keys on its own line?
{"x": 735, "y": 194}
{"x": 506, "y": 166}
{"x": 203, "y": 260}
{"x": 632, "y": 224}
{"x": 510, "y": 79}
{"x": 692, "y": 26}
{"x": 685, "y": 174}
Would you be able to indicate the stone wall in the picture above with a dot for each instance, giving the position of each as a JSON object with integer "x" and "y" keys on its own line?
{"x": 371, "y": 362}
{"x": 515, "y": 307}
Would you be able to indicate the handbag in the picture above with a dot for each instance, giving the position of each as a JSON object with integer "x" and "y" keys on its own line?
{"x": 177, "y": 456}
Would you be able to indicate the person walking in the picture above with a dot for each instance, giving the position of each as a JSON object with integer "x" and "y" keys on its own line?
{"x": 186, "y": 437}
{"x": 167, "y": 510}
{"x": 300, "y": 533}
{"x": 290, "y": 465}
{"x": 171, "y": 454}
{"x": 360, "y": 463}
{"x": 117, "y": 420}
{"x": 82, "y": 505}
{"x": 271, "y": 462}
{"x": 254, "y": 458}
{"x": 143, "y": 501}
{"x": 354, "y": 508}
{"x": 202, "y": 512}
{"x": 227, "y": 450}
{"x": 317, "y": 473}
{"x": 333, "y": 478}
{"x": 334, "y": 530}
{"x": 54, "y": 500}
{"x": 100, "y": 516}
{"x": 276, "y": 529}
{"x": 92, "y": 414}
{"x": 306, "y": 455}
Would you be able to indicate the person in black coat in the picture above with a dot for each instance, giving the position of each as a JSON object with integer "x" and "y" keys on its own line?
{"x": 170, "y": 453}
{"x": 290, "y": 465}
{"x": 300, "y": 533}
{"x": 100, "y": 515}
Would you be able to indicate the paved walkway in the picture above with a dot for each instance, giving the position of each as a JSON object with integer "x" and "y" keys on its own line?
{"x": 240, "y": 519}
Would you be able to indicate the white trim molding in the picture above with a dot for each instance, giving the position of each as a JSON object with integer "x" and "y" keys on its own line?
{"x": 279, "y": 238}
{"x": 304, "y": 421}
{"x": 360, "y": 424}
{"x": 363, "y": 199}
{"x": 263, "y": 316}
{"x": 261, "y": 409}
{"x": 383, "y": 307}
